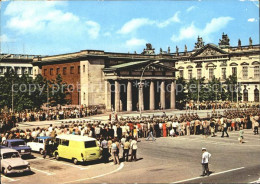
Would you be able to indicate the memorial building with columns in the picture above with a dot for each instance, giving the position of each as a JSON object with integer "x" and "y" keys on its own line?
{"x": 147, "y": 81}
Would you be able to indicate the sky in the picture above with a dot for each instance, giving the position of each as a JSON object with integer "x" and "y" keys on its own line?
{"x": 59, "y": 27}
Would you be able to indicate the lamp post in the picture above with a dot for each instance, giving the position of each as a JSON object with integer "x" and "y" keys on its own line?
{"x": 140, "y": 85}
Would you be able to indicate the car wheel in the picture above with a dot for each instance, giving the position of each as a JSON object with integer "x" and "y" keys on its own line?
{"x": 41, "y": 151}
{"x": 57, "y": 157}
{"x": 75, "y": 161}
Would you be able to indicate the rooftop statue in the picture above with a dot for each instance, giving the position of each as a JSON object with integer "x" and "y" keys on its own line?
{"x": 224, "y": 42}
{"x": 199, "y": 43}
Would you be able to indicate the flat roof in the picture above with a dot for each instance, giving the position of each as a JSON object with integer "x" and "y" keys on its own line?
{"x": 75, "y": 137}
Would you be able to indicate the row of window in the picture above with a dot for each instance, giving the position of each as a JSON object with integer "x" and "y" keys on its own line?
{"x": 223, "y": 72}
{"x": 18, "y": 70}
{"x": 64, "y": 70}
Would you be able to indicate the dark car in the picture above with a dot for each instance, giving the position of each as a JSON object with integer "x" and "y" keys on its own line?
{"x": 19, "y": 145}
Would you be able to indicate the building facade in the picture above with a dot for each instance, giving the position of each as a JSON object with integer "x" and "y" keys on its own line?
{"x": 21, "y": 64}
{"x": 222, "y": 61}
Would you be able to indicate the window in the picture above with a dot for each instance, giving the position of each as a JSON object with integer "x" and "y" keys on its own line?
{"x": 181, "y": 73}
{"x": 30, "y": 70}
{"x": 256, "y": 95}
{"x": 78, "y": 69}
{"x": 64, "y": 70}
{"x": 45, "y": 72}
{"x": 211, "y": 73}
{"x": 90, "y": 144}
{"x": 57, "y": 71}
{"x": 223, "y": 73}
{"x": 16, "y": 70}
{"x": 245, "y": 95}
{"x": 65, "y": 142}
{"x": 234, "y": 71}
{"x": 72, "y": 70}
{"x": 1, "y": 70}
{"x": 256, "y": 72}
{"x": 190, "y": 74}
{"x": 245, "y": 72}
{"x": 83, "y": 68}
{"x": 198, "y": 73}
{"x": 51, "y": 71}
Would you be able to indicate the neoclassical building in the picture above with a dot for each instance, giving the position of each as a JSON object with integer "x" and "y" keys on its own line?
{"x": 221, "y": 61}
{"x": 146, "y": 81}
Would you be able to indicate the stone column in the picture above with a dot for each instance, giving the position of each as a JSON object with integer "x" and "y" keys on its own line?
{"x": 152, "y": 98}
{"x": 129, "y": 96}
{"x": 117, "y": 96}
{"x": 108, "y": 95}
{"x": 162, "y": 95}
{"x": 141, "y": 97}
{"x": 173, "y": 88}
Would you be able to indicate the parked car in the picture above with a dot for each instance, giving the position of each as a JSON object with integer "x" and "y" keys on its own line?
{"x": 38, "y": 143}
{"x": 11, "y": 162}
{"x": 77, "y": 148}
{"x": 19, "y": 145}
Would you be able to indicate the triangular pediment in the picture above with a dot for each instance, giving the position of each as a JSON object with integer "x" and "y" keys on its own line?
{"x": 209, "y": 50}
{"x": 140, "y": 66}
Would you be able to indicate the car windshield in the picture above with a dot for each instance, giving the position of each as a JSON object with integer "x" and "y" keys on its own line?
{"x": 17, "y": 143}
{"x": 10, "y": 155}
{"x": 90, "y": 144}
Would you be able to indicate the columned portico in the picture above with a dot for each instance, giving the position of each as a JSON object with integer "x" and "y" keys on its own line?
{"x": 173, "y": 88}
{"x": 162, "y": 95}
{"x": 152, "y": 97}
{"x": 129, "y": 96}
{"x": 117, "y": 96}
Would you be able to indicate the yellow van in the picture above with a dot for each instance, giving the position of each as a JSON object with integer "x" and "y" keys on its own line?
{"x": 77, "y": 148}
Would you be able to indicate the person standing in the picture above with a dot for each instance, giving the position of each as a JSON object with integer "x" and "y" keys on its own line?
{"x": 126, "y": 147}
{"x": 212, "y": 128}
{"x": 115, "y": 151}
{"x": 134, "y": 149}
{"x": 241, "y": 135}
{"x": 105, "y": 153}
{"x": 205, "y": 162}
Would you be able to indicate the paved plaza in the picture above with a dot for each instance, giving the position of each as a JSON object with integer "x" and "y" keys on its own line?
{"x": 166, "y": 160}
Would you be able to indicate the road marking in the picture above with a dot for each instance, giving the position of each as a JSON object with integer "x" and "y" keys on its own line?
{"x": 209, "y": 176}
{"x": 11, "y": 179}
{"x": 98, "y": 176}
{"x": 45, "y": 172}
{"x": 81, "y": 168}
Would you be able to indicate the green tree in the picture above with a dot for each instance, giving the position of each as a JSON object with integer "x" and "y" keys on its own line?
{"x": 181, "y": 95}
{"x": 232, "y": 88}
{"x": 196, "y": 89}
{"x": 215, "y": 90}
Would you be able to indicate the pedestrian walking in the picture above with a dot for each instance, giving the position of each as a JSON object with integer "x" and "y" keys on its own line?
{"x": 105, "y": 153}
{"x": 212, "y": 128}
{"x": 150, "y": 135}
{"x": 47, "y": 149}
{"x": 224, "y": 130}
{"x": 205, "y": 162}
{"x": 241, "y": 135}
{"x": 126, "y": 147}
{"x": 256, "y": 125}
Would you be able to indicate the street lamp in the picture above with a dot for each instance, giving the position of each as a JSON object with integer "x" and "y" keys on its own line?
{"x": 140, "y": 85}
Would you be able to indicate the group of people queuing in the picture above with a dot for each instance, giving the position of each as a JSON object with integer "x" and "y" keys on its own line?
{"x": 8, "y": 120}
{"x": 217, "y": 105}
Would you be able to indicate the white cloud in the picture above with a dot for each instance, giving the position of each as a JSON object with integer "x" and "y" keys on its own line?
{"x": 48, "y": 17}
{"x": 107, "y": 34}
{"x": 93, "y": 29}
{"x": 5, "y": 38}
{"x": 192, "y": 31}
{"x": 165, "y": 23}
{"x": 134, "y": 42}
{"x": 190, "y": 8}
{"x": 136, "y": 23}
{"x": 252, "y": 20}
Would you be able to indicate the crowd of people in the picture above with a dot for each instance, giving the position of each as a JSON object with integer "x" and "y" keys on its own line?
{"x": 8, "y": 120}
{"x": 123, "y": 133}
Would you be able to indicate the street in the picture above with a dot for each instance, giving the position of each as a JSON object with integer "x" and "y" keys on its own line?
{"x": 166, "y": 160}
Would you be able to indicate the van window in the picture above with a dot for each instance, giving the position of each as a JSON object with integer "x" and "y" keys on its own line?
{"x": 90, "y": 144}
{"x": 65, "y": 142}
{"x": 40, "y": 140}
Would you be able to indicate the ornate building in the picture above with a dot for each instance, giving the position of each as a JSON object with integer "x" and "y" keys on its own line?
{"x": 126, "y": 82}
